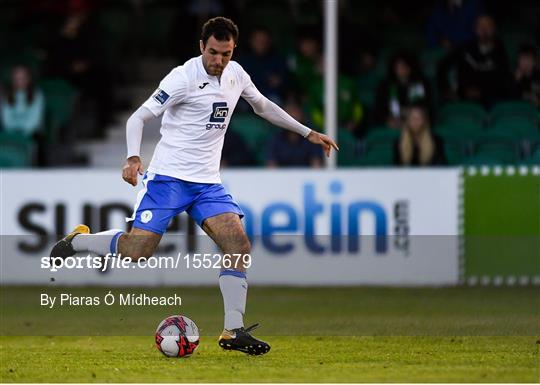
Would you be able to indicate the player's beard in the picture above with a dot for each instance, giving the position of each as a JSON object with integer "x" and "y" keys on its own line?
{"x": 216, "y": 70}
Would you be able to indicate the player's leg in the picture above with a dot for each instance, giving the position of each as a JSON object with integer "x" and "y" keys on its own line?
{"x": 136, "y": 244}
{"x": 219, "y": 216}
{"x": 227, "y": 231}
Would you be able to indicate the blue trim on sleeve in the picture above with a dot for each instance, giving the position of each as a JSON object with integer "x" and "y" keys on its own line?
{"x": 114, "y": 242}
{"x": 234, "y": 273}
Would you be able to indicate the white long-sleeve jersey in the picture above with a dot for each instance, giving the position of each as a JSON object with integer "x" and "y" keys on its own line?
{"x": 197, "y": 108}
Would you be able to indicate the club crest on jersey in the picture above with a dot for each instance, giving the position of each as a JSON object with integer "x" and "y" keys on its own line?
{"x": 219, "y": 112}
{"x": 161, "y": 96}
{"x": 146, "y": 216}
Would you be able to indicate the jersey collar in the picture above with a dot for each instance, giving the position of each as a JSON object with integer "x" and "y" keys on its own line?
{"x": 203, "y": 72}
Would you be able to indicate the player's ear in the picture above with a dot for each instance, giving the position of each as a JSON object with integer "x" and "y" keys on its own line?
{"x": 201, "y": 46}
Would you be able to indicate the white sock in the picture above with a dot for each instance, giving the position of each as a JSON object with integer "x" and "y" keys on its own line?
{"x": 233, "y": 287}
{"x": 101, "y": 243}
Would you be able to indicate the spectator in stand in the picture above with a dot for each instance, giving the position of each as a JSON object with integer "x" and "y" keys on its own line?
{"x": 303, "y": 63}
{"x": 367, "y": 61}
{"x": 481, "y": 66}
{"x": 288, "y": 149}
{"x": 403, "y": 85}
{"x": 452, "y": 22}
{"x": 22, "y": 104}
{"x": 417, "y": 145}
{"x": 307, "y": 72}
{"x": 526, "y": 82}
{"x": 350, "y": 112}
{"x": 268, "y": 68}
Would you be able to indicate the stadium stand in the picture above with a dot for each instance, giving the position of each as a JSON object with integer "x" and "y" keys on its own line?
{"x": 255, "y": 132}
{"x": 60, "y": 99}
{"x": 17, "y": 150}
{"x": 348, "y": 150}
{"x": 137, "y": 38}
{"x": 378, "y": 147}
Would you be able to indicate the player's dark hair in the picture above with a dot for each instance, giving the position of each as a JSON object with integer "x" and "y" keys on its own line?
{"x": 221, "y": 28}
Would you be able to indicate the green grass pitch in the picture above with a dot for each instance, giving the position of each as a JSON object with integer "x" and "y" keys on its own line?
{"x": 344, "y": 334}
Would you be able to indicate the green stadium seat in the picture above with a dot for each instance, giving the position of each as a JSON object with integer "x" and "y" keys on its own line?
{"x": 382, "y": 134}
{"x": 500, "y": 148}
{"x": 378, "y": 154}
{"x": 254, "y": 130}
{"x": 59, "y": 101}
{"x": 14, "y": 157}
{"x": 470, "y": 114}
{"x": 518, "y": 127}
{"x": 534, "y": 158}
{"x": 454, "y": 153}
{"x": 515, "y": 109}
{"x": 430, "y": 59}
{"x": 16, "y": 150}
{"x": 367, "y": 88}
{"x": 379, "y": 147}
{"x": 455, "y": 146}
{"x": 347, "y": 154}
{"x": 489, "y": 159}
{"x": 467, "y": 131}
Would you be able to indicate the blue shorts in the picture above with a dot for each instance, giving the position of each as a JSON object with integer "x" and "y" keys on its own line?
{"x": 164, "y": 197}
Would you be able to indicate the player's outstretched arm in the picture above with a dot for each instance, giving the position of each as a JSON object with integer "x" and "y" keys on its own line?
{"x": 134, "y": 130}
{"x": 324, "y": 140}
{"x": 270, "y": 111}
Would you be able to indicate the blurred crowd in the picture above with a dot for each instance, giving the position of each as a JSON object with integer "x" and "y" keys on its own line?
{"x": 416, "y": 87}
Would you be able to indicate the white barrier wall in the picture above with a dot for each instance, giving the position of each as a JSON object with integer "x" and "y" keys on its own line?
{"x": 375, "y": 227}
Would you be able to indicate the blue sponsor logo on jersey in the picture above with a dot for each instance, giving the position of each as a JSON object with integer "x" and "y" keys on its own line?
{"x": 219, "y": 112}
{"x": 161, "y": 96}
{"x": 217, "y": 118}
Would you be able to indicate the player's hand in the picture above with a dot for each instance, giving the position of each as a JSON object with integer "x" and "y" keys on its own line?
{"x": 130, "y": 170}
{"x": 324, "y": 140}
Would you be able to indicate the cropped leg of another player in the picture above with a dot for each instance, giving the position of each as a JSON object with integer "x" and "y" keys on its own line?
{"x": 227, "y": 231}
{"x": 136, "y": 244}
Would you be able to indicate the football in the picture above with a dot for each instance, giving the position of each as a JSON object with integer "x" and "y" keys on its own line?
{"x": 177, "y": 336}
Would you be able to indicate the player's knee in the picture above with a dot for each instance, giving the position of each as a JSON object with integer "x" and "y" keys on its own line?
{"x": 243, "y": 245}
{"x": 142, "y": 251}
{"x": 236, "y": 244}
{"x": 137, "y": 247}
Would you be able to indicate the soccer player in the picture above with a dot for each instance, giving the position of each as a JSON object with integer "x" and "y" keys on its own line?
{"x": 197, "y": 100}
